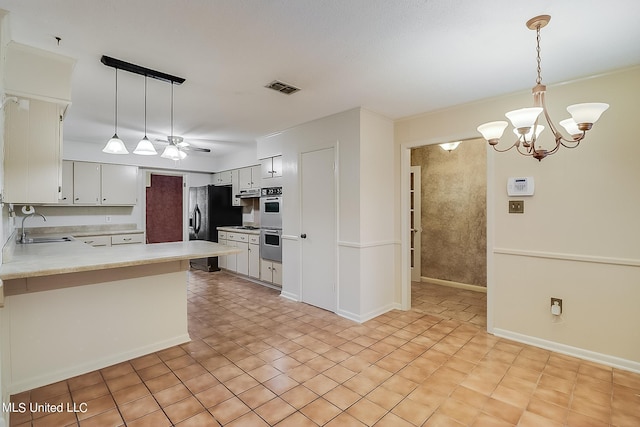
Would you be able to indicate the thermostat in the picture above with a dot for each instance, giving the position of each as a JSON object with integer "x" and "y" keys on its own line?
{"x": 520, "y": 186}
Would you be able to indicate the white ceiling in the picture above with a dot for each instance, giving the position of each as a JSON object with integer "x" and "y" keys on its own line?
{"x": 395, "y": 57}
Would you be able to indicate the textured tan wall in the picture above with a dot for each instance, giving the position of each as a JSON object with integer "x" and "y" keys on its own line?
{"x": 454, "y": 208}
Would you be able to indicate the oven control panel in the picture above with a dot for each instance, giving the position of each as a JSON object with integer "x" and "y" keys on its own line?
{"x": 272, "y": 191}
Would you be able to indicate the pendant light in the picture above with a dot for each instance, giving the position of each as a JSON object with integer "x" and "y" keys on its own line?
{"x": 115, "y": 144}
{"x": 145, "y": 147}
{"x": 172, "y": 151}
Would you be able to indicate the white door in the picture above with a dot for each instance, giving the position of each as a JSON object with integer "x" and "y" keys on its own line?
{"x": 415, "y": 222}
{"x": 318, "y": 228}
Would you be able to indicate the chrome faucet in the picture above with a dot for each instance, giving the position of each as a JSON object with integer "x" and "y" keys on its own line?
{"x": 23, "y": 235}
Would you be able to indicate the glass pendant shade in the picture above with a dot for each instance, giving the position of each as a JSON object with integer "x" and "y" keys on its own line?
{"x": 528, "y": 135}
{"x": 115, "y": 146}
{"x": 570, "y": 126}
{"x": 171, "y": 152}
{"x": 524, "y": 117}
{"x": 587, "y": 113}
{"x": 145, "y": 148}
{"x": 182, "y": 154}
{"x": 450, "y": 146}
{"x": 492, "y": 130}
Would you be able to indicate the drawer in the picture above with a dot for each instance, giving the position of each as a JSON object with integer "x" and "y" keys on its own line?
{"x": 222, "y": 235}
{"x": 254, "y": 239}
{"x": 238, "y": 237}
{"x": 96, "y": 240}
{"x": 125, "y": 239}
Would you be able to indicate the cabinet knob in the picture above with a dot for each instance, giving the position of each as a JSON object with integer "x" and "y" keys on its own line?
{"x": 303, "y": 236}
{"x": 77, "y": 198}
{"x": 104, "y": 200}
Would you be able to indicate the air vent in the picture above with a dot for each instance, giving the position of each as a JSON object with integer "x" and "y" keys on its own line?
{"x": 282, "y": 87}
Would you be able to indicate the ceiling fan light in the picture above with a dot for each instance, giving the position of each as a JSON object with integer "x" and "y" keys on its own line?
{"x": 115, "y": 146}
{"x": 524, "y": 118}
{"x": 145, "y": 148}
{"x": 182, "y": 154}
{"x": 171, "y": 152}
{"x": 492, "y": 131}
{"x": 587, "y": 113}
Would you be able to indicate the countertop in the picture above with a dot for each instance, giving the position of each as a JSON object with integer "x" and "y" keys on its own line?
{"x": 239, "y": 229}
{"x": 45, "y": 259}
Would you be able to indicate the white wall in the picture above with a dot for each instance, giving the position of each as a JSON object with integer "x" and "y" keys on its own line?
{"x": 365, "y": 243}
{"x": 577, "y": 239}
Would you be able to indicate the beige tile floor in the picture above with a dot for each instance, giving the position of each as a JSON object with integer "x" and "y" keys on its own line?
{"x": 257, "y": 359}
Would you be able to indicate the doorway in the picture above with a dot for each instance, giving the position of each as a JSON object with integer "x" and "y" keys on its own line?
{"x": 164, "y": 209}
{"x": 318, "y": 228}
{"x": 454, "y": 228}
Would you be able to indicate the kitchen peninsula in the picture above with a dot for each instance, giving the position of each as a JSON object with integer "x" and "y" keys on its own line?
{"x": 70, "y": 308}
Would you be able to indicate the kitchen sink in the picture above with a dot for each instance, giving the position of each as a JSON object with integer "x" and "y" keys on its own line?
{"x": 48, "y": 240}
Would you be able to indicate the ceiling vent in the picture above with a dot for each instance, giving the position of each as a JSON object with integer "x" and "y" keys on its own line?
{"x": 282, "y": 87}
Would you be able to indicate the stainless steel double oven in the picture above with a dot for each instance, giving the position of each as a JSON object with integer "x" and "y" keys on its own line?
{"x": 271, "y": 223}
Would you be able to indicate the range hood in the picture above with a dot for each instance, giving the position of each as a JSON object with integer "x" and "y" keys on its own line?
{"x": 249, "y": 194}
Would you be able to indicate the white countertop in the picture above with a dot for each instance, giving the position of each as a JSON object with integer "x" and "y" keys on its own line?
{"x": 44, "y": 259}
{"x": 238, "y": 229}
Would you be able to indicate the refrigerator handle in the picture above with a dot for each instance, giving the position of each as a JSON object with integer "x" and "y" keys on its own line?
{"x": 198, "y": 218}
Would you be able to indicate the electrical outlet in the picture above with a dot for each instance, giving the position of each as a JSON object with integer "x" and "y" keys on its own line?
{"x": 554, "y": 301}
{"x": 107, "y": 218}
{"x": 516, "y": 206}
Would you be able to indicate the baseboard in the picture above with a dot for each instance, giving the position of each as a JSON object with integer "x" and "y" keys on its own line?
{"x": 452, "y": 284}
{"x": 592, "y": 356}
{"x": 290, "y": 296}
{"x": 368, "y": 316}
{"x": 64, "y": 374}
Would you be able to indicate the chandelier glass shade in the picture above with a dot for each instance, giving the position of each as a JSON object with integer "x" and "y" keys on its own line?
{"x": 115, "y": 144}
{"x": 145, "y": 147}
{"x": 525, "y": 120}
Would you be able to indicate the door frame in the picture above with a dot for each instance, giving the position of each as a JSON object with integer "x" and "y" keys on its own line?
{"x": 146, "y": 181}
{"x": 405, "y": 226}
{"x": 417, "y": 223}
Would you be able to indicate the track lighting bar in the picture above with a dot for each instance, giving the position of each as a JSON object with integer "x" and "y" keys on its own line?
{"x": 137, "y": 69}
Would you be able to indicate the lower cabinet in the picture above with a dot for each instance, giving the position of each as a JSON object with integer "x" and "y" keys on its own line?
{"x": 271, "y": 272}
{"x": 254, "y": 256}
{"x": 246, "y": 262}
{"x": 112, "y": 240}
{"x": 222, "y": 239}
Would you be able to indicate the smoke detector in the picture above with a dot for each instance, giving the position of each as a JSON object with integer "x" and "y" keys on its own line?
{"x": 282, "y": 87}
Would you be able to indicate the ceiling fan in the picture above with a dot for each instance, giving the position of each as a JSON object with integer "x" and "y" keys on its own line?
{"x": 179, "y": 142}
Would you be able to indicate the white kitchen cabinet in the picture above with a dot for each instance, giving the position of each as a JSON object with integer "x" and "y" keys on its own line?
{"x": 102, "y": 184}
{"x": 235, "y": 188}
{"x": 222, "y": 239}
{"x": 127, "y": 239}
{"x": 271, "y": 167}
{"x": 250, "y": 177}
{"x": 271, "y": 272}
{"x": 32, "y": 151}
{"x": 222, "y": 178}
{"x": 86, "y": 183}
{"x": 66, "y": 197}
{"x": 95, "y": 241}
{"x": 254, "y": 256}
{"x": 119, "y": 185}
{"x": 239, "y": 262}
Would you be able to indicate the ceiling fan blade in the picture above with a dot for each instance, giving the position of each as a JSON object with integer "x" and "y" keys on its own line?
{"x": 192, "y": 148}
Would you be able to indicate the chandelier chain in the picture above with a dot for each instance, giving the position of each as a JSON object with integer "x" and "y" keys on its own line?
{"x": 539, "y": 69}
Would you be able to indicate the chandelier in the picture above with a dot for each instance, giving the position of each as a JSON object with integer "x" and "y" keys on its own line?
{"x": 525, "y": 120}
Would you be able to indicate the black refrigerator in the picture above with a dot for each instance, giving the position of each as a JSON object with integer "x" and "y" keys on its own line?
{"x": 210, "y": 207}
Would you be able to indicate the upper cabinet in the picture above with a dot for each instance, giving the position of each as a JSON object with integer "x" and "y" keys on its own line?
{"x": 102, "y": 184}
{"x": 119, "y": 184}
{"x": 271, "y": 167}
{"x": 249, "y": 177}
{"x": 32, "y": 151}
{"x": 38, "y": 86}
{"x": 222, "y": 178}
